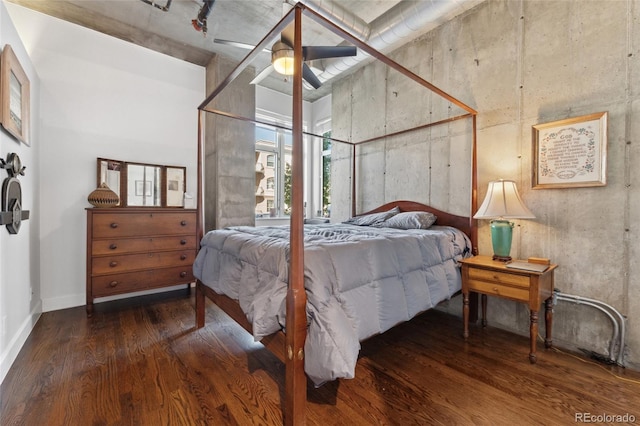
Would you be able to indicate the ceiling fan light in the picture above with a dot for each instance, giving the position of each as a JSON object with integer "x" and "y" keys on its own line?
{"x": 282, "y": 58}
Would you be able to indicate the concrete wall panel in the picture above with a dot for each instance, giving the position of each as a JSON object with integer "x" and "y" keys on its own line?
{"x": 520, "y": 63}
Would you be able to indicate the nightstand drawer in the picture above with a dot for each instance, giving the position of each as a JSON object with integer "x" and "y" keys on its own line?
{"x": 499, "y": 277}
{"x": 496, "y": 289}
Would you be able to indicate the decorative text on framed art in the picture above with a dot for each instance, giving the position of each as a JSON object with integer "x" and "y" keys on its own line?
{"x": 570, "y": 153}
{"x": 14, "y": 96}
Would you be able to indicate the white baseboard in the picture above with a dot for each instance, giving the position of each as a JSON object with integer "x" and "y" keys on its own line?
{"x": 12, "y": 350}
{"x": 65, "y": 302}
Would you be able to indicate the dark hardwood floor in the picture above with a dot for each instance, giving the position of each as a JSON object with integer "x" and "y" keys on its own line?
{"x": 141, "y": 362}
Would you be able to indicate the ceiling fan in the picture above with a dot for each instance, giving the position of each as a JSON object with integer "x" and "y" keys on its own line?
{"x": 282, "y": 56}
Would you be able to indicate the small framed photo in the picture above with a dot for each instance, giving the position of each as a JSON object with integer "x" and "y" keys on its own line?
{"x": 14, "y": 96}
{"x": 570, "y": 153}
{"x": 175, "y": 185}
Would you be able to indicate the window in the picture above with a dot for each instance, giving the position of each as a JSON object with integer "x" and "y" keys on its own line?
{"x": 326, "y": 174}
{"x": 273, "y": 169}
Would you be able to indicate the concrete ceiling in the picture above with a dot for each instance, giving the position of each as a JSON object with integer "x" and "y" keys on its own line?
{"x": 170, "y": 31}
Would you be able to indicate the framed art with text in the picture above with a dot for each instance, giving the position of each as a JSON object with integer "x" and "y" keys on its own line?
{"x": 571, "y": 152}
{"x": 14, "y": 96}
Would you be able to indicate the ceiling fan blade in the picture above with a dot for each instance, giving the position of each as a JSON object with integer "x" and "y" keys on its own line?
{"x": 287, "y": 35}
{"x": 322, "y": 52}
{"x": 262, "y": 75}
{"x": 310, "y": 77}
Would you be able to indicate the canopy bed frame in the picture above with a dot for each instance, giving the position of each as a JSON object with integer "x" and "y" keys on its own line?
{"x": 288, "y": 346}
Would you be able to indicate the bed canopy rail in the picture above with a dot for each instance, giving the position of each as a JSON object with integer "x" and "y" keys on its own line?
{"x": 295, "y": 334}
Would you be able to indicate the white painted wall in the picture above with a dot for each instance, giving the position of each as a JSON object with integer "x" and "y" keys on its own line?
{"x": 19, "y": 253}
{"x": 99, "y": 97}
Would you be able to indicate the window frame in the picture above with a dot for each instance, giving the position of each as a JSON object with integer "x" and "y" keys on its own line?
{"x": 278, "y": 148}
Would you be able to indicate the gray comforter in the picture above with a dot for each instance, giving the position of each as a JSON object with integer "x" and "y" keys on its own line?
{"x": 360, "y": 281}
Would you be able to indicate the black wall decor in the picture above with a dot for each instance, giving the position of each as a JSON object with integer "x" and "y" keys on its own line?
{"x": 12, "y": 214}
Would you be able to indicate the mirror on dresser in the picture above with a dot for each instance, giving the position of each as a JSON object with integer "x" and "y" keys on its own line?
{"x": 143, "y": 184}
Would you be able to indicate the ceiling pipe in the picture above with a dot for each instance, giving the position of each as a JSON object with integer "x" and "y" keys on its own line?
{"x": 401, "y": 24}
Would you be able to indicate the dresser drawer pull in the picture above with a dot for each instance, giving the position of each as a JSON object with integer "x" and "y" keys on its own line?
{"x": 183, "y": 242}
{"x": 113, "y": 264}
{"x": 114, "y": 225}
{"x": 113, "y": 284}
{"x": 113, "y": 246}
{"x": 496, "y": 289}
{"x": 183, "y": 223}
{"x": 183, "y": 256}
{"x": 183, "y": 274}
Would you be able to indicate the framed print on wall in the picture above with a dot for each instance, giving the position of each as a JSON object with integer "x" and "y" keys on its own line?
{"x": 14, "y": 96}
{"x": 570, "y": 153}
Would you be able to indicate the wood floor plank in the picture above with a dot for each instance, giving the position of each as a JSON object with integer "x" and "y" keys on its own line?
{"x": 141, "y": 361}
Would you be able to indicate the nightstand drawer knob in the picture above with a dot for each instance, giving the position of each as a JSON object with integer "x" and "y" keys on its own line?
{"x": 113, "y": 284}
{"x": 113, "y": 264}
{"x": 495, "y": 289}
{"x": 114, "y": 225}
{"x": 183, "y": 223}
{"x": 183, "y": 256}
{"x": 183, "y": 274}
{"x": 113, "y": 246}
{"x": 183, "y": 242}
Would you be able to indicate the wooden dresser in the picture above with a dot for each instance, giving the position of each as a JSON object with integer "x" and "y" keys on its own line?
{"x": 133, "y": 249}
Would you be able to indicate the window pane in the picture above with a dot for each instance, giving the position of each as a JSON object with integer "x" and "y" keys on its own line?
{"x": 265, "y": 134}
{"x": 287, "y": 182}
{"x": 266, "y": 184}
{"x": 288, "y": 139}
{"x": 326, "y": 174}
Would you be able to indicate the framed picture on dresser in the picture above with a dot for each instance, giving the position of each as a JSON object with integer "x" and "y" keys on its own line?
{"x": 175, "y": 185}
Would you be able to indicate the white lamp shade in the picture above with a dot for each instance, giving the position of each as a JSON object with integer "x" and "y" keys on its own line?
{"x": 503, "y": 202}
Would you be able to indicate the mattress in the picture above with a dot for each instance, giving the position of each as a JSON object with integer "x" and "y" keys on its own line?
{"x": 360, "y": 281}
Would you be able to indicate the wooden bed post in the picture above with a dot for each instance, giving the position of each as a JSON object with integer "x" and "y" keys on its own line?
{"x": 296, "y": 321}
{"x": 353, "y": 180}
{"x": 474, "y": 189}
{"x": 200, "y": 195}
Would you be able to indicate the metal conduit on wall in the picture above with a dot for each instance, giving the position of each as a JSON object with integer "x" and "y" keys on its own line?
{"x": 616, "y": 318}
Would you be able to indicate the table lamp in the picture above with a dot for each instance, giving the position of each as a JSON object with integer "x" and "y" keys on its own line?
{"x": 502, "y": 202}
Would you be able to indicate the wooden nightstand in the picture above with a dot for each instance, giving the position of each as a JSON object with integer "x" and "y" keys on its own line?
{"x": 481, "y": 274}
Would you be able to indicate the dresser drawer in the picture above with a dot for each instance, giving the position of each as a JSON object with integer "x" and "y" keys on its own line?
{"x": 499, "y": 277}
{"x": 132, "y": 245}
{"x": 515, "y": 293}
{"x": 141, "y": 224}
{"x": 134, "y": 262}
{"x": 108, "y": 285}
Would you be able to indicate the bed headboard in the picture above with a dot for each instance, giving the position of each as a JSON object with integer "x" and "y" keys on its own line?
{"x": 464, "y": 223}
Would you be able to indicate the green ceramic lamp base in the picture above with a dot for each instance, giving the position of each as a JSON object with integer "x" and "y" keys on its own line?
{"x": 501, "y": 234}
